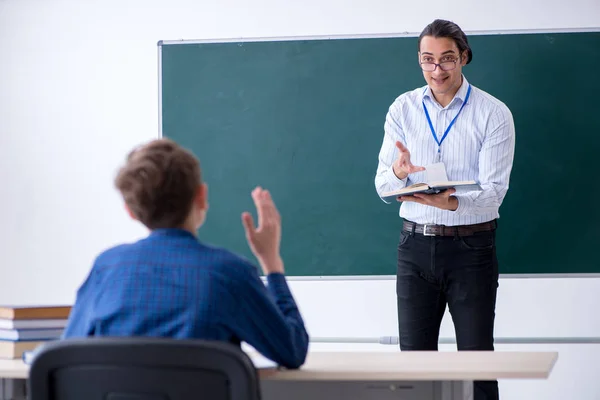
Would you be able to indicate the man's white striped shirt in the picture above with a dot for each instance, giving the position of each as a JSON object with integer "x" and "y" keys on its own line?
{"x": 479, "y": 146}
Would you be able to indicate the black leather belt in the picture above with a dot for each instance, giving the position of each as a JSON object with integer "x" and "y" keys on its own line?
{"x": 443, "y": 230}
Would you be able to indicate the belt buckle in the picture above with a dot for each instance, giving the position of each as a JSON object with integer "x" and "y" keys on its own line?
{"x": 425, "y": 231}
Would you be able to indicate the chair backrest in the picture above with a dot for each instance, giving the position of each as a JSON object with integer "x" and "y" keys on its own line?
{"x": 136, "y": 368}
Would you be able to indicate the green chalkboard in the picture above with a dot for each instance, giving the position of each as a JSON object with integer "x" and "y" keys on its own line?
{"x": 304, "y": 119}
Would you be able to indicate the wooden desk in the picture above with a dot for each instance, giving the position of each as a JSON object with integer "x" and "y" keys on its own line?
{"x": 13, "y": 369}
{"x": 405, "y": 375}
{"x": 374, "y": 375}
{"x": 464, "y": 365}
{"x": 13, "y": 375}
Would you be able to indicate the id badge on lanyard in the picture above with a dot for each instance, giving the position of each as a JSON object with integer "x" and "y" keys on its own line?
{"x": 439, "y": 142}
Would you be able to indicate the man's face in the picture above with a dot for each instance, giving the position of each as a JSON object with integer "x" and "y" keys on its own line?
{"x": 445, "y": 52}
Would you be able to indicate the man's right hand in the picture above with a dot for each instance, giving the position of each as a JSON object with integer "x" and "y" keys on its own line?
{"x": 402, "y": 166}
{"x": 264, "y": 240}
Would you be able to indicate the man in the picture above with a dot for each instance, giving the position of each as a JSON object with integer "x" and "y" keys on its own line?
{"x": 447, "y": 251}
{"x": 170, "y": 284}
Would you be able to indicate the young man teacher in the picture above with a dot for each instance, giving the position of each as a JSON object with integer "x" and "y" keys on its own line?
{"x": 447, "y": 251}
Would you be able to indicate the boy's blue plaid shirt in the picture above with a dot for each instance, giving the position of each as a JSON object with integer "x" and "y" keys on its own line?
{"x": 171, "y": 285}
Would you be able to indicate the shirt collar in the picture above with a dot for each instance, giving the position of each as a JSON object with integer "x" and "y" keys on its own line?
{"x": 458, "y": 97}
{"x": 171, "y": 232}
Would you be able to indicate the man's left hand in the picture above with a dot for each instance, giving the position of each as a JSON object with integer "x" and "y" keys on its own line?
{"x": 443, "y": 200}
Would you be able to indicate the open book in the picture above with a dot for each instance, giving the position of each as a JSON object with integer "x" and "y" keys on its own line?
{"x": 430, "y": 188}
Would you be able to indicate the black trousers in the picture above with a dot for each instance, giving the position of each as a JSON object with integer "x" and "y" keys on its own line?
{"x": 458, "y": 271}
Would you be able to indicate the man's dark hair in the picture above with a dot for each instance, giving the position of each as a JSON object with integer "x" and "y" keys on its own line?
{"x": 158, "y": 183}
{"x": 446, "y": 29}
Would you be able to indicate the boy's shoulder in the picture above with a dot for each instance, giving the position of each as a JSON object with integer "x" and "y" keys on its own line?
{"x": 228, "y": 260}
{"x": 112, "y": 253}
{"x": 223, "y": 261}
{"x": 232, "y": 268}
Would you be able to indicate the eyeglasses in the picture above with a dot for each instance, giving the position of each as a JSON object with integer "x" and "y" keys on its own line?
{"x": 444, "y": 66}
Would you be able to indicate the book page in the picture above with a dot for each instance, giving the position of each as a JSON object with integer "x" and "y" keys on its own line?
{"x": 413, "y": 186}
{"x": 436, "y": 172}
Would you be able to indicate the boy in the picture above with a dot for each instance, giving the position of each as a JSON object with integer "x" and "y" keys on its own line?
{"x": 170, "y": 284}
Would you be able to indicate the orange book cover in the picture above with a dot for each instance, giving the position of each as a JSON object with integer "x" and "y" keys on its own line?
{"x": 34, "y": 312}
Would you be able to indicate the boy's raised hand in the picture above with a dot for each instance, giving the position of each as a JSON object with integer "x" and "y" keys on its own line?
{"x": 264, "y": 240}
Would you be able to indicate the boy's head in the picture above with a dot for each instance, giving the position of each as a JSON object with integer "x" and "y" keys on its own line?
{"x": 162, "y": 187}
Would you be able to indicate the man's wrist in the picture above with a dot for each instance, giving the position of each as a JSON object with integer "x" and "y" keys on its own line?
{"x": 400, "y": 175}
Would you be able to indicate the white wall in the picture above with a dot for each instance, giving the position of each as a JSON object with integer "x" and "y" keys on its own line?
{"x": 78, "y": 89}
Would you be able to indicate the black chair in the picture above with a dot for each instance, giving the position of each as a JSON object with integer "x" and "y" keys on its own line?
{"x": 141, "y": 368}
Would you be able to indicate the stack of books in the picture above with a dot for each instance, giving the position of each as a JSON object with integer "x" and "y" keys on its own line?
{"x": 22, "y": 329}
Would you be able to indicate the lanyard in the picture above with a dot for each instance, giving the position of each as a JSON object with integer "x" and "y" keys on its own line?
{"x": 439, "y": 143}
